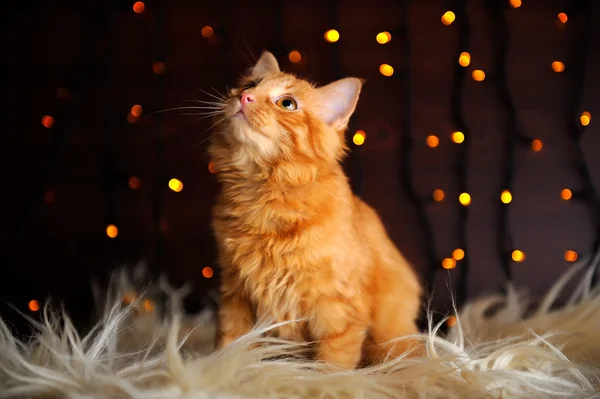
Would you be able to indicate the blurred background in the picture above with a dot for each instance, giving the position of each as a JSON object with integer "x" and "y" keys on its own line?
{"x": 474, "y": 137}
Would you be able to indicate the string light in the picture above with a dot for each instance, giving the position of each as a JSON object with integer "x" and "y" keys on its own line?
{"x": 295, "y": 56}
{"x": 159, "y": 68}
{"x": 212, "y": 168}
{"x": 518, "y": 255}
{"x": 47, "y": 121}
{"x": 33, "y": 305}
{"x": 175, "y": 185}
{"x": 562, "y": 17}
{"x": 432, "y": 141}
{"x": 112, "y": 231}
{"x": 208, "y": 272}
{"x": 536, "y": 145}
{"x": 558, "y": 66}
{"x": 457, "y": 137}
{"x": 134, "y": 183}
{"x": 464, "y": 199}
{"x": 448, "y": 263}
{"x": 383, "y": 37}
{"x": 585, "y": 118}
{"x": 566, "y": 194}
{"x": 571, "y": 256}
{"x": 448, "y": 18}
{"x": 515, "y": 3}
{"x": 359, "y": 137}
{"x": 332, "y": 36}
{"x": 136, "y": 110}
{"x": 139, "y": 7}
{"x": 464, "y": 59}
{"x": 438, "y": 195}
{"x": 207, "y": 31}
{"x": 478, "y": 75}
{"x": 506, "y": 197}
{"x": 386, "y": 70}
{"x": 458, "y": 254}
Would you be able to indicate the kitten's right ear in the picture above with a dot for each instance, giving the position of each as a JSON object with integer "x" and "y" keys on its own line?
{"x": 266, "y": 64}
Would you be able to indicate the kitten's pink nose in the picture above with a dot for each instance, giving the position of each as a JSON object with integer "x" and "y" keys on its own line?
{"x": 247, "y": 98}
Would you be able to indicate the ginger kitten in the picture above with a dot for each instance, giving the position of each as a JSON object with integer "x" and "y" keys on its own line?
{"x": 294, "y": 242}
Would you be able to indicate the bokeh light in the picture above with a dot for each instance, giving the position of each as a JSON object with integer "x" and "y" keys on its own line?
{"x": 438, "y": 195}
{"x": 383, "y": 37}
{"x": 457, "y": 137}
{"x": 448, "y": 263}
{"x": 47, "y": 121}
{"x": 212, "y": 168}
{"x": 448, "y": 18}
{"x": 33, "y": 305}
{"x": 386, "y": 70}
{"x": 112, "y": 231}
{"x": 332, "y": 36}
{"x": 359, "y": 137}
{"x": 464, "y": 59}
{"x": 159, "y": 68}
{"x": 464, "y": 199}
{"x": 566, "y": 194}
{"x": 515, "y": 3}
{"x": 458, "y": 254}
{"x": 207, "y": 31}
{"x": 136, "y": 110}
{"x": 134, "y": 183}
{"x": 432, "y": 141}
{"x": 139, "y": 7}
{"x": 562, "y": 17}
{"x": 558, "y": 66}
{"x": 506, "y": 197}
{"x": 175, "y": 185}
{"x": 571, "y": 256}
{"x": 585, "y": 118}
{"x": 295, "y": 56}
{"x": 536, "y": 145}
{"x": 208, "y": 272}
{"x": 518, "y": 255}
{"x": 451, "y": 322}
{"x": 478, "y": 75}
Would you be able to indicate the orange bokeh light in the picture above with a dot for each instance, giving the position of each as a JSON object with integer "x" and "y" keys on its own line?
{"x": 295, "y": 56}
{"x": 536, "y": 145}
{"x": 139, "y": 7}
{"x": 458, "y": 254}
{"x": 478, "y": 75}
{"x": 432, "y": 141}
{"x": 448, "y": 263}
{"x": 47, "y": 121}
{"x": 159, "y": 68}
{"x": 386, "y": 70}
{"x": 33, "y": 305}
{"x": 134, "y": 183}
{"x": 208, "y": 272}
{"x": 112, "y": 231}
{"x": 212, "y": 168}
{"x": 562, "y": 17}
{"x": 571, "y": 256}
{"x": 464, "y": 59}
{"x": 518, "y": 255}
{"x": 566, "y": 194}
{"x": 207, "y": 31}
{"x": 515, "y": 3}
{"x": 448, "y": 18}
{"x": 438, "y": 195}
{"x": 136, "y": 110}
{"x": 451, "y": 322}
{"x": 585, "y": 118}
{"x": 558, "y": 66}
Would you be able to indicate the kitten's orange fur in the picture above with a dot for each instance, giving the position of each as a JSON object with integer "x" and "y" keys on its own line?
{"x": 294, "y": 242}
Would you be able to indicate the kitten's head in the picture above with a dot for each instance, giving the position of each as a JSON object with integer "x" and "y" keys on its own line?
{"x": 275, "y": 119}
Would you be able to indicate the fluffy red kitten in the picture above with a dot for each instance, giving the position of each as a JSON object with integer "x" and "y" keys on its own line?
{"x": 294, "y": 242}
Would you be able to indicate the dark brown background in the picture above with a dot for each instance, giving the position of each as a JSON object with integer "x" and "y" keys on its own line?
{"x": 103, "y": 54}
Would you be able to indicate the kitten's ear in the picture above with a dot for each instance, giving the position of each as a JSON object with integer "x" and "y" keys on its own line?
{"x": 337, "y": 101}
{"x": 266, "y": 64}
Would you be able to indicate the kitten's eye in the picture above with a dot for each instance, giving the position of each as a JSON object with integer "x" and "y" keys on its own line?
{"x": 287, "y": 103}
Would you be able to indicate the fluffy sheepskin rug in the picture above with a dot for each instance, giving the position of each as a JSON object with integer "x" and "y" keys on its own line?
{"x": 145, "y": 351}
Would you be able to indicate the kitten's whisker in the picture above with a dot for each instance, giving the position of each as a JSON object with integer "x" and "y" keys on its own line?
{"x": 249, "y": 61}
{"x": 221, "y": 95}
{"x": 249, "y": 49}
{"x": 210, "y": 94}
{"x": 214, "y": 109}
{"x": 221, "y": 104}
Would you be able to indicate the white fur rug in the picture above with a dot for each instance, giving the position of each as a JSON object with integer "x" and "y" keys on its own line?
{"x": 134, "y": 352}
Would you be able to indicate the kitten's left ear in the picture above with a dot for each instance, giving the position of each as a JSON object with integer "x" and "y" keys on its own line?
{"x": 337, "y": 101}
{"x": 266, "y": 64}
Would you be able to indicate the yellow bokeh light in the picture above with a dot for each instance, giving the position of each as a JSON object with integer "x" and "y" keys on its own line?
{"x": 33, "y": 305}
{"x": 295, "y": 56}
{"x": 383, "y": 37}
{"x": 448, "y": 18}
{"x": 48, "y": 121}
{"x": 571, "y": 256}
{"x": 506, "y": 197}
{"x": 515, "y": 3}
{"x": 566, "y": 194}
{"x": 464, "y": 199}
{"x": 478, "y": 75}
{"x": 359, "y": 137}
{"x": 562, "y": 17}
{"x": 558, "y": 66}
{"x": 438, "y": 195}
{"x": 136, "y": 110}
{"x": 451, "y": 322}
{"x": 432, "y": 141}
{"x": 386, "y": 70}
{"x": 536, "y": 145}
{"x": 464, "y": 59}
{"x": 112, "y": 231}
{"x": 139, "y": 7}
{"x": 208, "y": 272}
{"x": 518, "y": 256}
{"x": 448, "y": 263}
{"x": 458, "y": 254}
{"x": 175, "y": 185}
{"x": 207, "y": 31}
{"x": 332, "y": 36}
{"x": 585, "y": 118}
{"x": 457, "y": 137}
